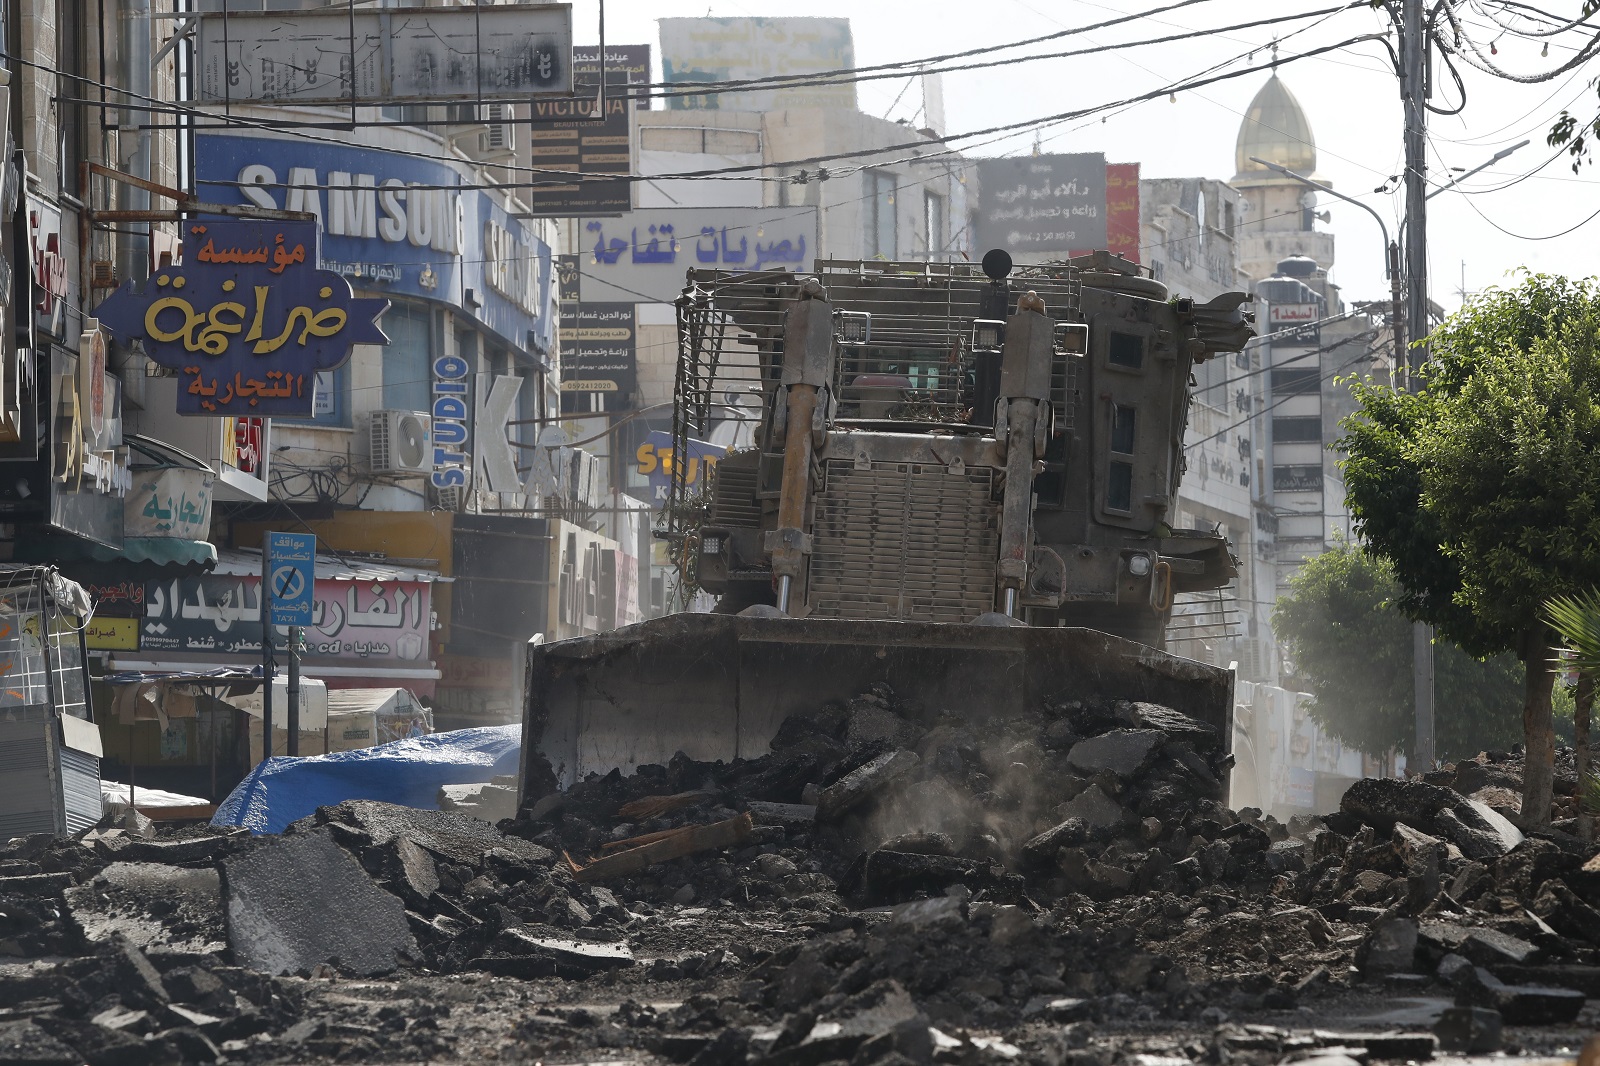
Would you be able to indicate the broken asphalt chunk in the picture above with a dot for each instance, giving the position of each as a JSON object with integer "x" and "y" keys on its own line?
{"x": 294, "y": 902}
{"x": 864, "y": 782}
{"x": 1123, "y": 752}
{"x": 1519, "y": 1004}
{"x": 163, "y": 910}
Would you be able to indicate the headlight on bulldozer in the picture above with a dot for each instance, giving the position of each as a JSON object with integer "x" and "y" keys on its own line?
{"x": 988, "y": 335}
{"x": 711, "y": 546}
{"x": 852, "y": 327}
{"x": 1139, "y": 565}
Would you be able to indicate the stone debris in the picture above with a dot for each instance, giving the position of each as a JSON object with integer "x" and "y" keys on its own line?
{"x": 886, "y": 886}
{"x": 296, "y": 902}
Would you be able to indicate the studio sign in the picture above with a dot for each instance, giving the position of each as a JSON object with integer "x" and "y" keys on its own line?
{"x": 247, "y": 320}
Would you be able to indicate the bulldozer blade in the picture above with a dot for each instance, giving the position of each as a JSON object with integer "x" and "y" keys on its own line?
{"x": 718, "y": 686}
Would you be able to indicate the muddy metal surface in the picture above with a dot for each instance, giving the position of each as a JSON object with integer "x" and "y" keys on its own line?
{"x": 884, "y": 887}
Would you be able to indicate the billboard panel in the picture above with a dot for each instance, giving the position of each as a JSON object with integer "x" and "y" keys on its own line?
{"x": 564, "y": 136}
{"x": 1043, "y": 203}
{"x": 1294, "y": 325}
{"x": 644, "y": 255}
{"x": 397, "y": 224}
{"x": 598, "y": 354}
{"x": 407, "y": 55}
{"x": 629, "y": 62}
{"x": 748, "y": 49}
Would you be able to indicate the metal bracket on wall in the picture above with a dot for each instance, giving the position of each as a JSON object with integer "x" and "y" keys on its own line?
{"x": 184, "y": 205}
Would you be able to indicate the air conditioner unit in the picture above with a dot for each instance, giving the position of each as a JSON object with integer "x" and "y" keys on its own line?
{"x": 501, "y": 134}
{"x": 450, "y": 497}
{"x": 400, "y": 442}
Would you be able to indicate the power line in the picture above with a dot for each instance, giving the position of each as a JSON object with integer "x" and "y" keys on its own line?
{"x": 824, "y": 77}
{"x": 1525, "y": 237}
{"x": 1282, "y": 399}
{"x": 722, "y": 173}
{"x": 711, "y": 88}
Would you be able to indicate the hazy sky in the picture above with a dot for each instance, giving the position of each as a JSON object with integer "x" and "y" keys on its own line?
{"x": 1350, "y": 96}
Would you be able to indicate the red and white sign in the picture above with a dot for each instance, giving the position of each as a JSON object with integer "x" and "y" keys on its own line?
{"x": 49, "y": 265}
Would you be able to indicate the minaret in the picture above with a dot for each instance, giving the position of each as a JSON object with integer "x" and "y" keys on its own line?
{"x": 1282, "y": 213}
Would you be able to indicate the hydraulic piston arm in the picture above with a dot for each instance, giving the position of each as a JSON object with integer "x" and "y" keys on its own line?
{"x": 808, "y": 355}
{"x": 1023, "y": 425}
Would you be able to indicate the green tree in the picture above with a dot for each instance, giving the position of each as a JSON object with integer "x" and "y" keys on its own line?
{"x": 1354, "y": 648}
{"x": 1483, "y": 491}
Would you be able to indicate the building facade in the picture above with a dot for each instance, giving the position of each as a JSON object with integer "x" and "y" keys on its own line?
{"x": 452, "y": 527}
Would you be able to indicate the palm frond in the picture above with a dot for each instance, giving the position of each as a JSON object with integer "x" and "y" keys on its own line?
{"x": 1577, "y": 619}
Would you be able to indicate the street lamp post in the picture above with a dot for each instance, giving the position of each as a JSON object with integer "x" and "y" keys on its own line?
{"x": 1391, "y": 266}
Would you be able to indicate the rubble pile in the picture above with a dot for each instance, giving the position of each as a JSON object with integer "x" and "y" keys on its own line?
{"x": 884, "y": 886}
{"x": 1108, "y": 799}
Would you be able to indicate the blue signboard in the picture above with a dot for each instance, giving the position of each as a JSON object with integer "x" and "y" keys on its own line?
{"x": 654, "y": 458}
{"x": 247, "y": 320}
{"x": 397, "y": 223}
{"x": 291, "y": 577}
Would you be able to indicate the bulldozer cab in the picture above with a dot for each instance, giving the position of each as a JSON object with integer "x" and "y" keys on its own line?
{"x": 981, "y": 440}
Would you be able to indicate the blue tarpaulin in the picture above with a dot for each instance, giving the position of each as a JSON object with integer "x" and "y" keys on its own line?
{"x": 407, "y": 772}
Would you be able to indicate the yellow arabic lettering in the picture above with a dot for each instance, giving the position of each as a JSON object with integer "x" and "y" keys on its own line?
{"x": 202, "y": 331}
{"x": 261, "y": 311}
{"x": 324, "y": 323}
{"x": 191, "y": 321}
{"x": 213, "y": 339}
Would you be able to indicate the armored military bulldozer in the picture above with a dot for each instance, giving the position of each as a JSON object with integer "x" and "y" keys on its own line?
{"x": 962, "y": 483}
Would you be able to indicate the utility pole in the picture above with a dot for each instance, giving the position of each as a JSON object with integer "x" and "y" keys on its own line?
{"x": 1413, "y": 89}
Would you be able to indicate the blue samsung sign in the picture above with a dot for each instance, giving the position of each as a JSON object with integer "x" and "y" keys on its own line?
{"x": 394, "y": 223}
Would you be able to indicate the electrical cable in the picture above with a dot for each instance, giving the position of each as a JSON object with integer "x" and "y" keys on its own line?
{"x": 777, "y": 80}
{"x": 1474, "y": 57}
{"x": 1524, "y": 237}
{"x": 1281, "y": 400}
{"x": 733, "y": 87}
{"x": 724, "y": 173}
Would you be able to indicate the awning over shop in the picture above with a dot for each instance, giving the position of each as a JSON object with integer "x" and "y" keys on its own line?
{"x": 163, "y": 551}
{"x": 313, "y": 702}
{"x": 186, "y": 555}
{"x": 384, "y": 701}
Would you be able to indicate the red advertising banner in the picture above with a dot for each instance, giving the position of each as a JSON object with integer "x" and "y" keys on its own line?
{"x": 1122, "y": 212}
{"x": 1122, "y": 209}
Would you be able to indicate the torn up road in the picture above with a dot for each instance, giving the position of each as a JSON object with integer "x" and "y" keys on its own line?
{"x": 1063, "y": 888}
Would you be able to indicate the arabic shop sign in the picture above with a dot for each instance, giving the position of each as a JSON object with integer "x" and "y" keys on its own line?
{"x": 247, "y": 320}
{"x": 397, "y": 223}
{"x": 367, "y": 620}
{"x": 169, "y": 502}
{"x": 641, "y": 257}
{"x": 598, "y": 354}
{"x": 112, "y": 634}
{"x": 1294, "y": 325}
{"x": 1043, "y": 203}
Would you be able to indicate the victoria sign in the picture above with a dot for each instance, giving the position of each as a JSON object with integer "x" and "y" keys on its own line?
{"x": 247, "y": 320}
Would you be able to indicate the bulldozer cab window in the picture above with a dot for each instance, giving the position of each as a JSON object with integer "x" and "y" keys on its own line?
{"x": 898, "y": 384}
{"x": 1125, "y": 350}
{"x": 1119, "y": 472}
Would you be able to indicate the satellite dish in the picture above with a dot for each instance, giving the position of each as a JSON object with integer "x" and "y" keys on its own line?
{"x": 996, "y": 264}
{"x": 412, "y": 444}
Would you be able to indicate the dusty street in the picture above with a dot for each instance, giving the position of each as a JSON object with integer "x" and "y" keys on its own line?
{"x": 921, "y": 905}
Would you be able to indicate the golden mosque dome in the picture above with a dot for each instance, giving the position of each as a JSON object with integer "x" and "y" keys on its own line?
{"x": 1274, "y": 129}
